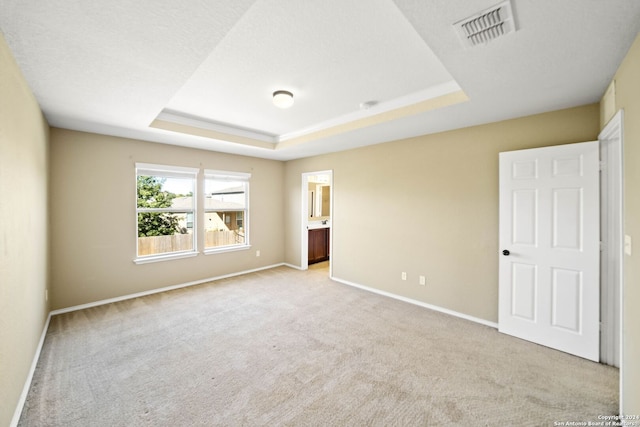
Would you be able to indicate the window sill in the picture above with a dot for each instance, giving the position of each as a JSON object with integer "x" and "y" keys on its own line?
{"x": 165, "y": 257}
{"x": 223, "y": 249}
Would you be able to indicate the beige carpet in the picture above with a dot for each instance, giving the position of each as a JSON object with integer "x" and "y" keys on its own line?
{"x": 285, "y": 347}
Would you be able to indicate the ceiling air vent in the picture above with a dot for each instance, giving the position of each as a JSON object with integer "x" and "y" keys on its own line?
{"x": 487, "y": 25}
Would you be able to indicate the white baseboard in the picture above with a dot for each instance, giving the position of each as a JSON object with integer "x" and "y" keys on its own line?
{"x": 156, "y": 291}
{"x": 419, "y": 303}
{"x": 295, "y": 267}
{"x": 27, "y": 384}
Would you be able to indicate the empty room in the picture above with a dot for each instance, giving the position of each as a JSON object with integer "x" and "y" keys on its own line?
{"x": 274, "y": 212}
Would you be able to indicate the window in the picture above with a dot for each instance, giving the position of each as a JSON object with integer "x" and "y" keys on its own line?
{"x": 165, "y": 211}
{"x": 226, "y": 210}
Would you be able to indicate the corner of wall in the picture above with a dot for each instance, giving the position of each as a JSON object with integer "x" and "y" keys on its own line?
{"x": 24, "y": 166}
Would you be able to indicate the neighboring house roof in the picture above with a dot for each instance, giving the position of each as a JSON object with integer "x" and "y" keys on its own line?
{"x": 209, "y": 204}
{"x": 231, "y": 190}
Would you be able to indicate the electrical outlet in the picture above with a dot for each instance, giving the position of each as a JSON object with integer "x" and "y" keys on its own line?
{"x": 46, "y": 295}
{"x": 257, "y": 253}
{"x": 404, "y": 275}
{"x": 423, "y": 280}
{"x": 627, "y": 244}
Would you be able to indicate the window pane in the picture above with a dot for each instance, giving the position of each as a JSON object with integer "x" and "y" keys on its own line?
{"x": 171, "y": 227}
{"x": 224, "y": 228}
{"x": 225, "y": 205}
{"x": 154, "y": 242}
{"x": 160, "y": 192}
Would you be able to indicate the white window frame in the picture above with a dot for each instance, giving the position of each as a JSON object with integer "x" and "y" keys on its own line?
{"x": 219, "y": 175}
{"x": 166, "y": 171}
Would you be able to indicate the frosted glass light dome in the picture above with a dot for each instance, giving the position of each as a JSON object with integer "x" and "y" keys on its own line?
{"x": 282, "y": 99}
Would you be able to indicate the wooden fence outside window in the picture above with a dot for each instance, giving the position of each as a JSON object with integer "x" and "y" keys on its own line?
{"x": 184, "y": 242}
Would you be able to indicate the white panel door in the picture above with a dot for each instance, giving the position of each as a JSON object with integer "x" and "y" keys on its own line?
{"x": 549, "y": 275}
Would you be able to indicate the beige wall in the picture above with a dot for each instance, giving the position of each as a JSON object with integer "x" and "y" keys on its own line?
{"x": 23, "y": 230}
{"x": 93, "y": 224}
{"x": 427, "y": 206}
{"x": 627, "y": 86}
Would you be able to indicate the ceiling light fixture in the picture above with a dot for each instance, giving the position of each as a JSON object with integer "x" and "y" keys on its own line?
{"x": 282, "y": 99}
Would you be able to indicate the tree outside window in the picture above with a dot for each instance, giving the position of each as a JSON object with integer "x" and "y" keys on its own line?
{"x": 165, "y": 210}
{"x": 150, "y": 195}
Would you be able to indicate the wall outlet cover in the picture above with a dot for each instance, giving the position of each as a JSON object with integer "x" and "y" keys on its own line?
{"x": 627, "y": 244}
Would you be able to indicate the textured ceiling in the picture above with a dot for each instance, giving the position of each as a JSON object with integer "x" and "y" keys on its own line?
{"x": 201, "y": 73}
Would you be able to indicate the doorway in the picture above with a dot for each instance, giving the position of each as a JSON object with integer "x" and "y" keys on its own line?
{"x": 611, "y": 251}
{"x": 316, "y": 218}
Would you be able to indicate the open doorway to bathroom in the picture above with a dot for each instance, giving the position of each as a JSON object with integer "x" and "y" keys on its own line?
{"x": 317, "y": 214}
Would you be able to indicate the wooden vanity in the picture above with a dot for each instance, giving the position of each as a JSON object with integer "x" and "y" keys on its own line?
{"x": 318, "y": 244}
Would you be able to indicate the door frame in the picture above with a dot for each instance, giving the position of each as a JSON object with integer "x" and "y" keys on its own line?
{"x": 612, "y": 237}
{"x": 304, "y": 219}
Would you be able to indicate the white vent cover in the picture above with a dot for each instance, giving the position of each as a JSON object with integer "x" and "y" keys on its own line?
{"x": 487, "y": 25}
